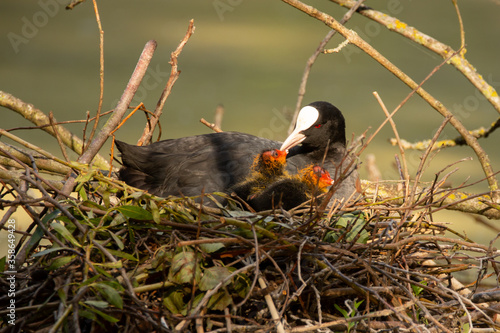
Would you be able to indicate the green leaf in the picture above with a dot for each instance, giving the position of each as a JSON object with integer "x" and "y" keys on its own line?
{"x": 89, "y": 281}
{"x": 59, "y": 262}
{"x": 240, "y": 213}
{"x": 50, "y": 216}
{"x": 54, "y": 248}
{"x": 110, "y": 294}
{"x": 102, "y": 271}
{"x": 344, "y": 312}
{"x": 220, "y": 301}
{"x": 87, "y": 314}
{"x": 184, "y": 268}
{"x": 213, "y": 276}
{"x": 212, "y": 247}
{"x": 35, "y": 238}
{"x": 105, "y": 316}
{"x": 241, "y": 285}
{"x": 121, "y": 254}
{"x": 357, "y": 304}
{"x": 417, "y": 290}
{"x": 82, "y": 192}
{"x": 135, "y": 212}
{"x": 174, "y": 302}
{"x": 356, "y": 224}
{"x": 136, "y": 195}
{"x": 117, "y": 220}
{"x": 109, "y": 264}
{"x": 62, "y": 295}
{"x": 117, "y": 240}
{"x": 84, "y": 177}
{"x": 97, "y": 304}
{"x": 61, "y": 230}
{"x": 154, "y": 211}
{"x": 106, "y": 198}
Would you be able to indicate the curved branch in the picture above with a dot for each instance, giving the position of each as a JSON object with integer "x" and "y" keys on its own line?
{"x": 355, "y": 39}
{"x": 37, "y": 117}
{"x": 42, "y": 163}
{"x": 459, "y": 141}
{"x": 15, "y": 177}
{"x": 459, "y": 61}
{"x": 174, "y": 75}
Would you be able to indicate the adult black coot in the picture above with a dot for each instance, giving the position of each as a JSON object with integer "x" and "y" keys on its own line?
{"x": 217, "y": 161}
{"x": 290, "y": 192}
{"x": 268, "y": 167}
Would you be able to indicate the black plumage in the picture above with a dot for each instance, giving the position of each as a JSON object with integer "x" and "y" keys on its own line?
{"x": 217, "y": 161}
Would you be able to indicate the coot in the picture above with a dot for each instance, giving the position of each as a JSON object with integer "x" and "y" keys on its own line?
{"x": 292, "y": 191}
{"x": 215, "y": 162}
{"x": 268, "y": 167}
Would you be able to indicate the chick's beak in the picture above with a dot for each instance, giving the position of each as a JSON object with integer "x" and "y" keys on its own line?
{"x": 327, "y": 180}
{"x": 282, "y": 155}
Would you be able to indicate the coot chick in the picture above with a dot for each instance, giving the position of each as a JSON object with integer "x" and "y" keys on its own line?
{"x": 215, "y": 162}
{"x": 293, "y": 191}
{"x": 268, "y": 167}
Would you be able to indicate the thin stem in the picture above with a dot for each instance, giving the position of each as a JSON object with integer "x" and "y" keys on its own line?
{"x": 312, "y": 59}
{"x": 174, "y": 75}
{"x": 121, "y": 108}
{"x": 101, "y": 70}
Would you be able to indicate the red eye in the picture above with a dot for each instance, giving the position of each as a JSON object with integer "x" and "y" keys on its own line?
{"x": 317, "y": 126}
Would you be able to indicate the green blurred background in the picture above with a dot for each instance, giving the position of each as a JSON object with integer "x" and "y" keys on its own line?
{"x": 250, "y": 56}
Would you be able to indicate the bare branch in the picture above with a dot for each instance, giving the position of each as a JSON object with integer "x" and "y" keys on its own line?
{"x": 219, "y": 113}
{"x": 458, "y": 141}
{"x": 120, "y": 110}
{"x": 101, "y": 70}
{"x": 213, "y": 127}
{"x": 174, "y": 75}
{"x": 432, "y": 44}
{"x": 391, "y": 192}
{"x": 42, "y": 162}
{"x": 37, "y": 117}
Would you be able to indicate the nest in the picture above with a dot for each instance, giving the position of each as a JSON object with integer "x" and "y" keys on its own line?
{"x": 171, "y": 265}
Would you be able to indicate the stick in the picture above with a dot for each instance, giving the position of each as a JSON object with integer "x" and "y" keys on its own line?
{"x": 101, "y": 69}
{"x": 214, "y": 127}
{"x": 120, "y": 110}
{"x": 174, "y": 75}
{"x": 58, "y": 137}
{"x": 37, "y": 117}
{"x": 219, "y": 113}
